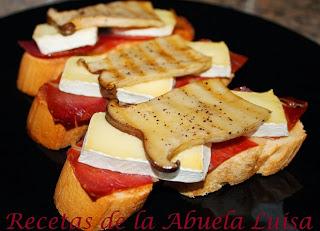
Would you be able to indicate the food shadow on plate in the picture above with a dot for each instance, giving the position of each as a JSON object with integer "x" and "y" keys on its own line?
{"x": 259, "y": 195}
{"x": 57, "y": 156}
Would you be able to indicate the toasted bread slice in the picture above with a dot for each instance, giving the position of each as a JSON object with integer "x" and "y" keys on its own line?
{"x": 195, "y": 114}
{"x": 72, "y": 201}
{"x": 42, "y": 128}
{"x": 34, "y": 72}
{"x": 116, "y": 14}
{"x": 268, "y": 158}
{"x": 278, "y": 153}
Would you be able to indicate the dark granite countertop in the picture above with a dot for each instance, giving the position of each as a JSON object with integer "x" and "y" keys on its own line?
{"x": 302, "y": 16}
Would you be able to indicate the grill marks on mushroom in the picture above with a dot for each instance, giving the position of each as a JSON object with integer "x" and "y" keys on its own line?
{"x": 115, "y": 14}
{"x": 198, "y": 113}
{"x": 160, "y": 58}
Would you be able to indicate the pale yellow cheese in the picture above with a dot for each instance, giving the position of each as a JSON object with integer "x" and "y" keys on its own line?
{"x": 104, "y": 138}
{"x": 152, "y": 88}
{"x": 218, "y": 51}
{"x": 44, "y": 30}
{"x": 191, "y": 158}
{"x": 75, "y": 71}
{"x": 267, "y": 100}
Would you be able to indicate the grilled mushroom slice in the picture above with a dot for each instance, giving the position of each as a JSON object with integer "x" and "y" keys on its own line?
{"x": 122, "y": 14}
{"x": 198, "y": 113}
{"x": 160, "y": 58}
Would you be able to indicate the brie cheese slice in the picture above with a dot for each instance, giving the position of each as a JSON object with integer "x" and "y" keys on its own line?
{"x": 49, "y": 40}
{"x": 166, "y": 16}
{"x": 76, "y": 79}
{"x": 109, "y": 148}
{"x": 276, "y": 125}
{"x": 143, "y": 92}
{"x": 219, "y": 52}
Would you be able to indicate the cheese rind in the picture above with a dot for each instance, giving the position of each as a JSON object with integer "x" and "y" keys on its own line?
{"x": 49, "y": 40}
{"x": 219, "y": 52}
{"x": 276, "y": 125}
{"x": 76, "y": 79}
{"x": 76, "y": 87}
{"x": 166, "y": 16}
{"x": 109, "y": 148}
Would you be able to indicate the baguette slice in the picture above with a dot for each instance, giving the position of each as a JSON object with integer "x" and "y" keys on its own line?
{"x": 278, "y": 153}
{"x": 269, "y": 157}
{"x": 42, "y": 128}
{"x": 72, "y": 201}
{"x": 34, "y": 72}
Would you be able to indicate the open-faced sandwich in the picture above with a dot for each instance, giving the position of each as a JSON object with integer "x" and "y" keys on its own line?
{"x": 197, "y": 138}
{"x": 151, "y": 110}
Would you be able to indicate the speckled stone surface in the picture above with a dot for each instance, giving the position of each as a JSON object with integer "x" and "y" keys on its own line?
{"x": 302, "y": 16}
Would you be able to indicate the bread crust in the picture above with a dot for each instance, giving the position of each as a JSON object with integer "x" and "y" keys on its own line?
{"x": 34, "y": 72}
{"x": 278, "y": 153}
{"x": 184, "y": 28}
{"x": 42, "y": 128}
{"x": 268, "y": 158}
{"x": 72, "y": 201}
